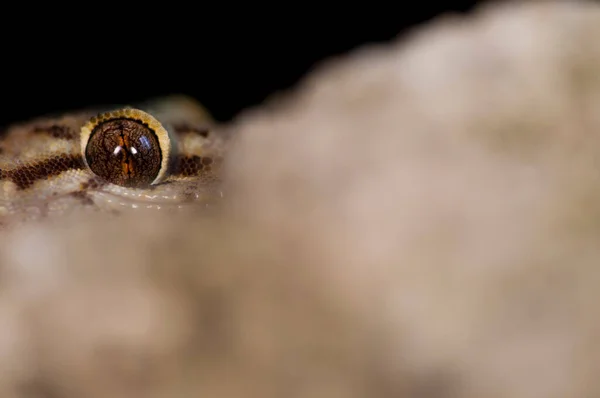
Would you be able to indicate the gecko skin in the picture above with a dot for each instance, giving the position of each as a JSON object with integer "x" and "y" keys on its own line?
{"x": 162, "y": 155}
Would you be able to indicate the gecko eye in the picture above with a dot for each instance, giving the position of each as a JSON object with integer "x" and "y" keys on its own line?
{"x": 127, "y": 147}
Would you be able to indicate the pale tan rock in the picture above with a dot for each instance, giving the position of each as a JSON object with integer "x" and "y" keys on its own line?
{"x": 419, "y": 218}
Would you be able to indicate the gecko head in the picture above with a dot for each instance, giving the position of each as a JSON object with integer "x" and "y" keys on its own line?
{"x": 127, "y": 147}
{"x": 139, "y": 162}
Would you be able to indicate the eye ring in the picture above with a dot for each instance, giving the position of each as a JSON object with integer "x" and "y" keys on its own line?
{"x": 127, "y": 147}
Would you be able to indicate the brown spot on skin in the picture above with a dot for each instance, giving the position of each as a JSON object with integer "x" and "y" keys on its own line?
{"x": 125, "y": 152}
{"x": 92, "y": 183}
{"x": 188, "y": 166}
{"x": 57, "y": 131}
{"x": 26, "y": 175}
{"x": 83, "y": 196}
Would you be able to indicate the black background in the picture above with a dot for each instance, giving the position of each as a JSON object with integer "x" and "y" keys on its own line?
{"x": 228, "y": 60}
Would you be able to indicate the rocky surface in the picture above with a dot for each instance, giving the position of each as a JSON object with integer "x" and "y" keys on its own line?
{"x": 419, "y": 218}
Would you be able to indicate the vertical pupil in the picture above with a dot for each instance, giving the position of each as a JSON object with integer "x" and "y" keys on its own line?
{"x": 125, "y": 152}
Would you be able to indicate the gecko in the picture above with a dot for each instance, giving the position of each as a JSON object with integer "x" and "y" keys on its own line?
{"x": 162, "y": 154}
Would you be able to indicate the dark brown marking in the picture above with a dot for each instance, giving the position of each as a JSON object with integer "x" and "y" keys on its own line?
{"x": 188, "y": 166}
{"x": 92, "y": 183}
{"x": 26, "y": 175}
{"x": 57, "y": 131}
{"x": 83, "y": 196}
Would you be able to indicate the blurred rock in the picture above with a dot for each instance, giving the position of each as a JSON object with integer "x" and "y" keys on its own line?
{"x": 418, "y": 218}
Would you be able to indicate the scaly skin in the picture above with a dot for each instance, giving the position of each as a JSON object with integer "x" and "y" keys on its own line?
{"x": 43, "y": 171}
